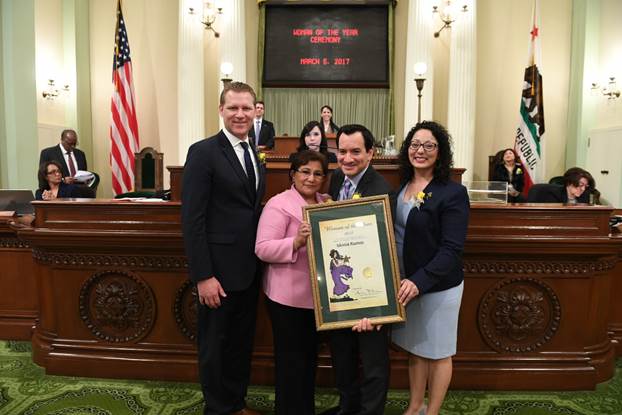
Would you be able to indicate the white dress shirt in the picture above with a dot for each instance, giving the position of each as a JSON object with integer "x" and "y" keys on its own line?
{"x": 73, "y": 157}
{"x": 257, "y": 128}
{"x": 239, "y": 151}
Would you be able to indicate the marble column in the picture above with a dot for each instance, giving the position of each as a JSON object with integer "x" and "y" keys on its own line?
{"x": 418, "y": 49}
{"x": 19, "y": 152}
{"x": 190, "y": 77}
{"x": 462, "y": 88}
{"x": 233, "y": 37}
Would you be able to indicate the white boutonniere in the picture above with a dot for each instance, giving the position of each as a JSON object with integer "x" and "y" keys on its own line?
{"x": 420, "y": 199}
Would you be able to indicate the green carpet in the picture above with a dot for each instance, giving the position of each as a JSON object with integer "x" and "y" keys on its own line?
{"x": 26, "y": 390}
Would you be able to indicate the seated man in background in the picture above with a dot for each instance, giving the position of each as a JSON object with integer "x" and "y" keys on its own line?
{"x": 66, "y": 154}
{"x": 576, "y": 182}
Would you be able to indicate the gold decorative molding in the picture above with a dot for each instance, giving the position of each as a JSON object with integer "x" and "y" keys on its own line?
{"x": 527, "y": 267}
{"x": 13, "y": 243}
{"x": 112, "y": 260}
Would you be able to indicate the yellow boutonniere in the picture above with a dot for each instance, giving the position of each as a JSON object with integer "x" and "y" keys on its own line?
{"x": 519, "y": 171}
{"x": 356, "y": 196}
{"x": 420, "y": 199}
{"x": 262, "y": 157}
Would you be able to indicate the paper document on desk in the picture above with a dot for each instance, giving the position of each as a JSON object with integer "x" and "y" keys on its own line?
{"x": 141, "y": 199}
{"x": 83, "y": 176}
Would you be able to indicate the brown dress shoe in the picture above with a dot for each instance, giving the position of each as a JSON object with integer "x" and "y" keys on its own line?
{"x": 246, "y": 411}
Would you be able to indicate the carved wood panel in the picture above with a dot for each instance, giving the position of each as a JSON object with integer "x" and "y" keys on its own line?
{"x": 519, "y": 315}
{"x": 117, "y": 306}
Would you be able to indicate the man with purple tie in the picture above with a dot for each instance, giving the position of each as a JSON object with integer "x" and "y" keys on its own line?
{"x": 365, "y": 394}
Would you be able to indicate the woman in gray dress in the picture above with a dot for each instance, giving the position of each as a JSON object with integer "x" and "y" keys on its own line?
{"x": 432, "y": 214}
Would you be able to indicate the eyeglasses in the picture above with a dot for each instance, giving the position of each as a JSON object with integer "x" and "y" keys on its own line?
{"x": 308, "y": 173}
{"x": 55, "y": 171}
{"x": 427, "y": 146}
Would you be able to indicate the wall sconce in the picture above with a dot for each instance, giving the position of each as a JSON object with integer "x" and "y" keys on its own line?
{"x": 51, "y": 92}
{"x": 210, "y": 12}
{"x": 420, "y": 69}
{"x": 611, "y": 91}
{"x": 447, "y": 14}
{"x": 226, "y": 68}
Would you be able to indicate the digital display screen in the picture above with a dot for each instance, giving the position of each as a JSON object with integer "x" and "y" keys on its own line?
{"x": 326, "y": 46}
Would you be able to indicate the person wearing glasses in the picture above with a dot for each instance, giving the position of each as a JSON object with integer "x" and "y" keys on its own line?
{"x": 360, "y": 392}
{"x": 578, "y": 185}
{"x": 52, "y": 186}
{"x": 70, "y": 158}
{"x": 312, "y": 137}
{"x": 281, "y": 244}
{"x": 431, "y": 219}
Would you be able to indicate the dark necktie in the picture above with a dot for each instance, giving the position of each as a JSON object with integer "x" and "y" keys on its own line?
{"x": 250, "y": 169}
{"x": 72, "y": 167}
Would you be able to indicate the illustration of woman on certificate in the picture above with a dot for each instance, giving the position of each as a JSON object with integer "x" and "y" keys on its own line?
{"x": 339, "y": 271}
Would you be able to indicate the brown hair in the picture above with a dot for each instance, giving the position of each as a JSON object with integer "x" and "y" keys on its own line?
{"x": 237, "y": 87}
{"x": 42, "y": 174}
{"x": 574, "y": 175}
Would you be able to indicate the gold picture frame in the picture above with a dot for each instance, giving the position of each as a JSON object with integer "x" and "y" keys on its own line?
{"x": 353, "y": 263}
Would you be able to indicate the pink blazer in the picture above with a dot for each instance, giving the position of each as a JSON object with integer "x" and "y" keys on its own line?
{"x": 286, "y": 278}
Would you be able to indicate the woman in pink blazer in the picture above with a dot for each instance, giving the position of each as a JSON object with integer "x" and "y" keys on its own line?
{"x": 281, "y": 243}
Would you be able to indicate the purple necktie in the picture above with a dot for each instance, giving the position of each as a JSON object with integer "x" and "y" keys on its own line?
{"x": 346, "y": 190}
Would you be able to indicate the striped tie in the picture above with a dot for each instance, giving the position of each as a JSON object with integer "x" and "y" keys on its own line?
{"x": 346, "y": 190}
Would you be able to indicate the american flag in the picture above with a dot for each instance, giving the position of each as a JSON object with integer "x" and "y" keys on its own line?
{"x": 124, "y": 127}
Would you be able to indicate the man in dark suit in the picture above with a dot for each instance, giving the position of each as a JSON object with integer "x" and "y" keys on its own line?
{"x": 367, "y": 395}
{"x": 70, "y": 158}
{"x": 262, "y": 132}
{"x": 223, "y": 185}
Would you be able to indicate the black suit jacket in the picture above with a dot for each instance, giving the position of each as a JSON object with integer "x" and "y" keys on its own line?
{"x": 547, "y": 193}
{"x": 266, "y": 134}
{"x": 219, "y": 214}
{"x": 434, "y": 237}
{"x": 518, "y": 178}
{"x": 54, "y": 153}
{"x": 371, "y": 184}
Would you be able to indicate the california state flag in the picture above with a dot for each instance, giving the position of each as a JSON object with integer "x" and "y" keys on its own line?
{"x": 530, "y": 132}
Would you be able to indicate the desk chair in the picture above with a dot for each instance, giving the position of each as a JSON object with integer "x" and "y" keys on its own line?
{"x": 149, "y": 178}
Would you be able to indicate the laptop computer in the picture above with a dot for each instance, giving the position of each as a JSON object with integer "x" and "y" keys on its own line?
{"x": 17, "y": 200}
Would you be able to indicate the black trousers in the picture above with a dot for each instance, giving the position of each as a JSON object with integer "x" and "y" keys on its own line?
{"x": 225, "y": 343}
{"x": 364, "y": 394}
{"x": 295, "y": 358}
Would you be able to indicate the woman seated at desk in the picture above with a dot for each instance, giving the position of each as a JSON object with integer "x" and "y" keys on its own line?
{"x": 576, "y": 182}
{"x": 312, "y": 137}
{"x": 509, "y": 171}
{"x": 52, "y": 185}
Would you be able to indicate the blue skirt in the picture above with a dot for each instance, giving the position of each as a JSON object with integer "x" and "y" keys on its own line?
{"x": 431, "y": 327}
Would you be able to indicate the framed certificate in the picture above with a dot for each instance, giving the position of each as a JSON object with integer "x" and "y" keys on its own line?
{"x": 353, "y": 263}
